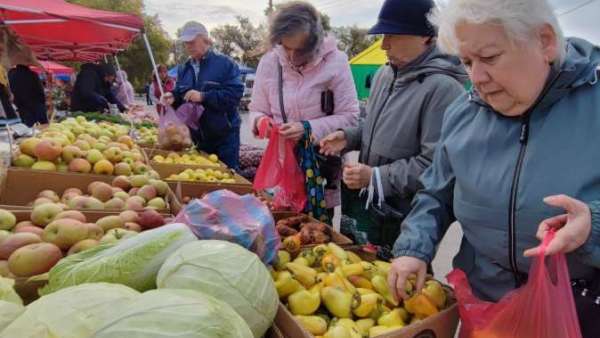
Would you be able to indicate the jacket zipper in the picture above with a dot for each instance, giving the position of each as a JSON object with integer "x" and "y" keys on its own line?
{"x": 512, "y": 211}
{"x": 389, "y": 94}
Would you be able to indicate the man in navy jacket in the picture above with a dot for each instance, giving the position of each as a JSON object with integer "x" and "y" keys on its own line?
{"x": 213, "y": 80}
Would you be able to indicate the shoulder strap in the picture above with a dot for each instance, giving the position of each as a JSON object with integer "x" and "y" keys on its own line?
{"x": 281, "y": 106}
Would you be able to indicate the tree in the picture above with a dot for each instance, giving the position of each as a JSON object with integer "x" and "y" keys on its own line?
{"x": 241, "y": 41}
{"x": 135, "y": 60}
{"x": 353, "y": 40}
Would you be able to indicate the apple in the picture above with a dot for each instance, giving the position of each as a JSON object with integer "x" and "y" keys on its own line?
{"x": 28, "y": 145}
{"x": 114, "y": 203}
{"x": 85, "y": 203}
{"x": 81, "y": 144}
{"x": 65, "y": 232}
{"x": 110, "y": 222}
{"x": 122, "y": 195}
{"x": 94, "y": 231}
{"x": 4, "y": 271}
{"x": 153, "y": 174}
{"x": 71, "y": 214}
{"x": 80, "y": 165}
{"x": 4, "y": 234}
{"x": 122, "y": 182}
{"x": 113, "y": 154}
{"x": 41, "y": 200}
{"x": 16, "y": 241}
{"x": 94, "y": 155}
{"x": 138, "y": 181}
{"x": 7, "y": 220}
{"x": 161, "y": 186}
{"x": 132, "y": 226}
{"x": 129, "y": 216}
{"x": 23, "y": 161}
{"x": 71, "y": 152}
{"x": 82, "y": 246}
{"x": 133, "y": 191}
{"x": 103, "y": 167}
{"x": 147, "y": 192}
{"x": 157, "y": 203}
{"x": 122, "y": 168}
{"x": 47, "y": 150}
{"x": 136, "y": 203}
{"x": 44, "y": 213}
{"x": 28, "y": 226}
{"x": 34, "y": 259}
{"x": 140, "y": 168}
{"x": 115, "y": 235}
{"x": 150, "y": 219}
{"x": 50, "y": 194}
{"x": 100, "y": 190}
{"x": 125, "y": 139}
{"x": 116, "y": 190}
{"x": 100, "y": 146}
{"x": 44, "y": 165}
{"x": 73, "y": 190}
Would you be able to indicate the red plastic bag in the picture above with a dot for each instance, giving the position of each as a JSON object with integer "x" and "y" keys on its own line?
{"x": 283, "y": 174}
{"x": 542, "y": 308}
{"x": 173, "y": 134}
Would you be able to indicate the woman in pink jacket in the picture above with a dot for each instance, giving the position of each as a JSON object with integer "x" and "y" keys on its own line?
{"x": 317, "y": 83}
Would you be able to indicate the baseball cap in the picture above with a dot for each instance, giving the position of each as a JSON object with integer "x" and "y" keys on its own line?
{"x": 191, "y": 30}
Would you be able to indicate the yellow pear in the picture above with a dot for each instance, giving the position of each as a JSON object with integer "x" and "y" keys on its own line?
{"x": 339, "y": 302}
{"x": 392, "y": 319}
{"x": 314, "y": 324}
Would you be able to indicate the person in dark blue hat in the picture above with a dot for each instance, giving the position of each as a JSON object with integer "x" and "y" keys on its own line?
{"x": 404, "y": 116}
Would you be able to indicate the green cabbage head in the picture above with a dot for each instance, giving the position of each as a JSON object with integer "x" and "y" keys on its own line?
{"x": 227, "y": 272}
{"x": 175, "y": 314}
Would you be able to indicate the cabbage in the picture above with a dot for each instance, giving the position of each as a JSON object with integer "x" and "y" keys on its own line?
{"x": 74, "y": 312}
{"x": 175, "y": 314}
{"x": 133, "y": 261}
{"x": 9, "y": 312}
{"x": 227, "y": 272}
{"x": 7, "y": 291}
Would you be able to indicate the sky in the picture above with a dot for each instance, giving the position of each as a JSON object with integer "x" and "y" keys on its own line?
{"x": 578, "y": 17}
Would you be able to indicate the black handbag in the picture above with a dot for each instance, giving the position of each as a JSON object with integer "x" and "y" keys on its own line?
{"x": 330, "y": 166}
{"x": 587, "y": 303}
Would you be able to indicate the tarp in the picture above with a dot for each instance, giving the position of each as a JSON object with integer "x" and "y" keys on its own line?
{"x": 53, "y": 67}
{"x": 373, "y": 55}
{"x": 60, "y": 31}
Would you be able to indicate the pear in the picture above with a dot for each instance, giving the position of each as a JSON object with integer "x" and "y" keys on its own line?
{"x": 314, "y": 324}
{"x": 339, "y": 302}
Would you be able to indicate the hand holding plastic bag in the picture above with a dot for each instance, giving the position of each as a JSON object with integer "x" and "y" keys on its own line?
{"x": 542, "y": 308}
{"x": 283, "y": 174}
{"x": 173, "y": 134}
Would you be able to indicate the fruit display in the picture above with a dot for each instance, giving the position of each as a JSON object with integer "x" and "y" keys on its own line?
{"x": 203, "y": 175}
{"x": 32, "y": 247}
{"x": 77, "y": 145}
{"x": 125, "y": 193}
{"x": 300, "y": 230}
{"x": 174, "y": 136}
{"x": 192, "y": 158}
{"x": 332, "y": 292}
{"x": 147, "y": 136}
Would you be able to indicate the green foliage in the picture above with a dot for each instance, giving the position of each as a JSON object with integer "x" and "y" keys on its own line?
{"x": 353, "y": 40}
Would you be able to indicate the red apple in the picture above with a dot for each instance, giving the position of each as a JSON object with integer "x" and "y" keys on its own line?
{"x": 16, "y": 241}
{"x": 47, "y": 150}
{"x": 34, "y": 259}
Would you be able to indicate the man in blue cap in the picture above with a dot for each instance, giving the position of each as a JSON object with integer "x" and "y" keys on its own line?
{"x": 213, "y": 80}
{"x": 404, "y": 116}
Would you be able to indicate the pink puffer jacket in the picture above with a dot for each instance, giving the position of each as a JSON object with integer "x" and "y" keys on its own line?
{"x": 302, "y": 93}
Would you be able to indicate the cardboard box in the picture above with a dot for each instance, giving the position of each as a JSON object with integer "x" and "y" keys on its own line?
{"x": 199, "y": 189}
{"x": 336, "y": 237}
{"x": 19, "y": 187}
{"x": 442, "y": 325}
{"x": 91, "y": 216}
{"x": 274, "y": 332}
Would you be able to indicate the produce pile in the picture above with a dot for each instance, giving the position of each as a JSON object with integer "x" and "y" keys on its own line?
{"x": 334, "y": 293}
{"x": 203, "y": 175}
{"x": 191, "y": 158}
{"x": 297, "y": 231}
{"x": 77, "y": 145}
{"x": 147, "y": 135}
{"x": 174, "y": 136}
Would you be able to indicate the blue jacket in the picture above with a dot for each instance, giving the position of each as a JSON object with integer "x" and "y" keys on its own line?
{"x": 492, "y": 172}
{"x": 220, "y": 81}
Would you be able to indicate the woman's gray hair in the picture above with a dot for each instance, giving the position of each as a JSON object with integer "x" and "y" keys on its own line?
{"x": 297, "y": 17}
{"x": 519, "y": 18}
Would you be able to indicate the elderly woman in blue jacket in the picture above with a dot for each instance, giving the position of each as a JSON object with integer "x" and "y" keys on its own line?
{"x": 517, "y": 156}
{"x": 213, "y": 80}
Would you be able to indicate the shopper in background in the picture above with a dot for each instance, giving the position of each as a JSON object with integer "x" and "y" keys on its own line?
{"x": 93, "y": 89}
{"x": 168, "y": 85}
{"x": 124, "y": 90}
{"x": 28, "y": 94}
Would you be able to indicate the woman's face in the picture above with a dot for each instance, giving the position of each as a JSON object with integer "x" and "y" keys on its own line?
{"x": 508, "y": 75}
{"x": 162, "y": 73}
{"x": 295, "y": 48}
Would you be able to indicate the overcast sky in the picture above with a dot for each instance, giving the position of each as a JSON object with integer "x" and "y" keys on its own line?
{"x": 578, "y": 17}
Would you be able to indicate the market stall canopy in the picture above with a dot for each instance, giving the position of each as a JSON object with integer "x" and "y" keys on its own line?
{"x": 60, "y": 31}
{"x": 365, "y": 65}
{"x": 53, "y": 67}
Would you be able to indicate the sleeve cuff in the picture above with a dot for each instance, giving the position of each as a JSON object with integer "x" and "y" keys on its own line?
{"x": 385, "y": 180}
{"x": 591, "y": 247}
{"x": 411, "y": 253}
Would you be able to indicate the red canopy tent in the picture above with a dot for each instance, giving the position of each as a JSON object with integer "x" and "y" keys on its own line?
{"x": 60, "y": 31}
{"x": 53, "y": 67}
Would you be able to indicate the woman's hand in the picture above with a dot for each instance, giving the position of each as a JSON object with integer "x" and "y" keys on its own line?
{"x": 292, "y": 131}
{"x": 263, "y": 128}
{"x": 193, "y": 96}
{"x": 401, "y": 269}
{"x": 167, "y": 99}
{"x": 334, "y": 143}
{"x": 573, "y": 228}
{"x": 357, "y": 176}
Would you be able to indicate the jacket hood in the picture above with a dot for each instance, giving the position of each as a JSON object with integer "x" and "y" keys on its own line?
{"x": 433, "y": 61}
{"x": 327, "y": 47}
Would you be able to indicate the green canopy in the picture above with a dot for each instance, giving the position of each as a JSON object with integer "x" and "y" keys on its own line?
{"x": 365, "y": 65}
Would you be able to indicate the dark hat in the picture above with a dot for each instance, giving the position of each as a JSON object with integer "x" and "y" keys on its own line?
{"x": 107, "y": 69}
{"x": 404, "y": 17}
